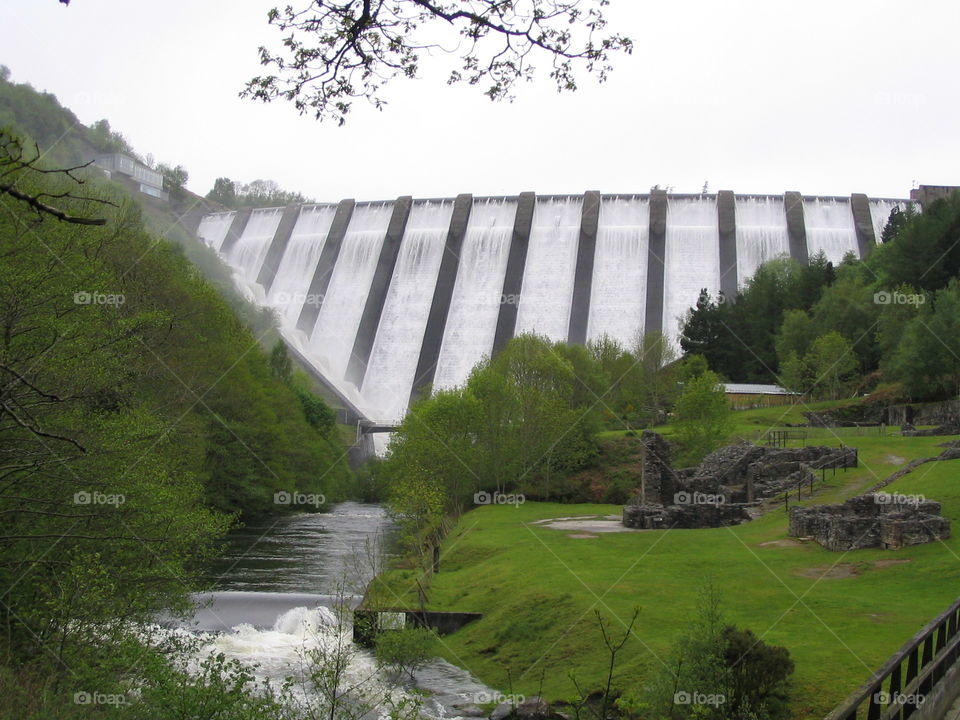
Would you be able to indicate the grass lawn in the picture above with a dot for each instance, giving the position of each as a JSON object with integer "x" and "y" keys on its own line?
{"x": 839, "y": 614}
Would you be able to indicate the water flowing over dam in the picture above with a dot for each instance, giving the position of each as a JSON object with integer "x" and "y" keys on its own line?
{"x": 387, "y": 298}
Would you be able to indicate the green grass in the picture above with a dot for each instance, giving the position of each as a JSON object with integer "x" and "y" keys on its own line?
{"x": 538, "y": 587}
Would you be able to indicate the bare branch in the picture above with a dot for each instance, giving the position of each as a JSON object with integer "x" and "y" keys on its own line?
{"x": 336, "y": 52}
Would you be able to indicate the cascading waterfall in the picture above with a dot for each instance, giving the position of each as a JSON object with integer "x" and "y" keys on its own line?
{"x": 761, "y": 234}
{"x": 265, "y": 612}
{"x": 477, "y": 293}
{"x": 551, "y": 266}
{"x": 618, "y": 293}
{"x": 214, "y": 228}
{"x": 396, "y": 350}
{"x": 692, "y": 258}
{"x": 880, "y": 213}
{"x": 830, "y": 228}
{"x": 336, "y": 327}
{"x": 246, "y": 256}
{"x": 618, "y": 288}
{"x": 295, "y": 272}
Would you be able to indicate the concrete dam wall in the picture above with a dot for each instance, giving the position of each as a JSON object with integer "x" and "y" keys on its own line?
{"x": 386, "y": 298}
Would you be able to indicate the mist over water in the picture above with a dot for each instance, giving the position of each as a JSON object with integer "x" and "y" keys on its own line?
{"x": 278, "y": 585}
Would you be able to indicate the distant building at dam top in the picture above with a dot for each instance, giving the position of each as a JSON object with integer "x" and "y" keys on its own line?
{"x": 386, "y": 298}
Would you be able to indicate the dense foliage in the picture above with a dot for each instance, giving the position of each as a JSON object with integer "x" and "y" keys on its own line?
{"x": 703, "y": 418}
{"x": 737, "y": 335}
{"x": 831, "y": 332}
{"x": 259, "y": 193}
{"x": 716, "y": 672}
{"x": 137, "y": 415}
{"x": 520, "y": 427}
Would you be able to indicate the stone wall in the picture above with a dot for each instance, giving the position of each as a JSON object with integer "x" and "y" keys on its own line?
{"x": 875, "y": 520}
{"x": 657, "y": 478}
{"x": 721, "y": 489}
{"x": 700, "y": 515}
{"x": 752, "y": 472}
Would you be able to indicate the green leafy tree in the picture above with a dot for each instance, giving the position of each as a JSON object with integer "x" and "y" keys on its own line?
{"x": 922, "y": 250}
{"x": 405, "y": 650}
{"x": 927, "y": 359}
{"x": 174, "y": 178}
{"x": 702, "y": 417}
{"x": 796, "y": 335}
{"x": 849, "y": 308}
{"x": 716, "y": 672}
{"x": 795, "y": 375}
{"x": 280, "y": 364}
{"x": 224, "y": 192}
{"x": 832, "y": 362}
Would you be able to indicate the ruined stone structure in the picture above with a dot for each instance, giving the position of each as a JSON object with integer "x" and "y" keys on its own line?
{"x": 723, "y": 487}
{"x": 751, "y": 472}
{"x": 657, "y": 477}
{"x": 875, "y": 520}
{"x": 699, "y": 515}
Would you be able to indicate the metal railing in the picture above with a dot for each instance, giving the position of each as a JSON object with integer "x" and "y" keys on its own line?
{"x": 899, "y": 688}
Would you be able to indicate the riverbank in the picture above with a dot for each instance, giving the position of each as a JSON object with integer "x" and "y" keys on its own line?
{"x": 839, "y": 614}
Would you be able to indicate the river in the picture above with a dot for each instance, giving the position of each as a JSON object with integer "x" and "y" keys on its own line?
{"x": 276, "y": 582}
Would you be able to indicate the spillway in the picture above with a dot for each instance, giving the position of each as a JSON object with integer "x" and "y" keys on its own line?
{"x": 477, "y": 294}
{"x": 248, "y": 252}
{"x": 880, "y": 213}
{"x": 291, "y": 283}
{"x": 830, "y": 229}
{"x": 393, "y": 360}
{"x": 761, "y": 234}
{"x": 384, "y": 299}
{"x": 618, "y": 292}
{"x": 692, "y": 258}
{"x": 544, "y": 306}
{"x": 333, "y": 335}
{"x": 214, "y": 227}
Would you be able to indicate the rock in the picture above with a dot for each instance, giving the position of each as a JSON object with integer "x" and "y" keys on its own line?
{"x": 534, "y": 708}
{"x": 471, "y": 711}
{"x": 952, "y": 453}
{"x": 502, "y": 711}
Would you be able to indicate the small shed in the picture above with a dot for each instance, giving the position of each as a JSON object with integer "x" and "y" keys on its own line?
{"x": 744, "y": 396}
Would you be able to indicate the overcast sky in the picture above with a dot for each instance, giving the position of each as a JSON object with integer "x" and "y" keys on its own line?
{"x": 752, "y": 96}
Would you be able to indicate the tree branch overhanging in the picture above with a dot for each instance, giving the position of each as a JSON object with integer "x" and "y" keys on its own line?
{"x": 15, "y": 163}
{"x": 336, "y": 52}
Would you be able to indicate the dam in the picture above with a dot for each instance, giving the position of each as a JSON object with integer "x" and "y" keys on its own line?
{"x": 384, "y": 299}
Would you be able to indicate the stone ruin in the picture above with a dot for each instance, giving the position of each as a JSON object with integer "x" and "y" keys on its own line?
{"x": 908, "y": 430}
{"x": 874, "y": 520}
{"x": 722, "y": 489}
{"x": 756, "y": 472}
